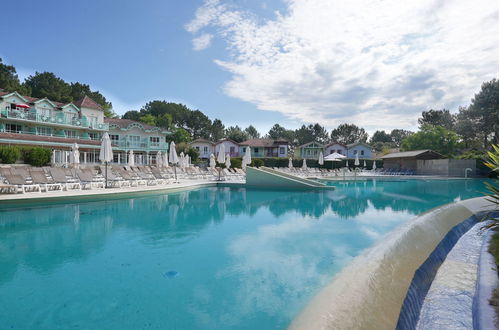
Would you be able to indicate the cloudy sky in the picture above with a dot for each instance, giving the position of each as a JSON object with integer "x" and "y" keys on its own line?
{"x": 377, "y": 64}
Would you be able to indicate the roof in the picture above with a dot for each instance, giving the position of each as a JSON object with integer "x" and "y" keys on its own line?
{"x": 125, "y": 123}
{"x": 426, "y": 153}
{"x": 351, "y": 145}
{"x": 202, "y": 141}
{"x": 333, "y": 143}
{"x": 227, "y": 140}
{"x": 306, "y": 144}
{"x": 258, "y": 143}
{"x": 88, "y": 103}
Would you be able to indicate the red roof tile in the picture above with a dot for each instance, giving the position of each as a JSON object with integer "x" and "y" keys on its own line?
{"x": 88, "y": 103}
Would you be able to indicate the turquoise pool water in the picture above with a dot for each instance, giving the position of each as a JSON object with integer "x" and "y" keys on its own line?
{"x": 211, "y": 258}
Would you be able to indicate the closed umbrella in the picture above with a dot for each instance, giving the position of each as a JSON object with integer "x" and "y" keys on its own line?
{"x": 221, "y": 154}
{"x": 75, "y": 155}
{"x": 182, "y": 160}
{"x": 304, "y": 165}
{"x": 357, "y": 162}
{"x": 131, "y": 158}
{"x": 212, "y": 161}
{"x": 106, "y": 151}
{"x": 374, "y": 164}
{"x": 159, "y": 159}
{"x": 365, "y": 164}
{"x": 290, "y": 164}
{"x": 227, "y": 161}
{"x": 173, "y": 158}
{"x": 246, "y": 158}
{"x": 321, "y": 158}
{"x": 165, "y": 159}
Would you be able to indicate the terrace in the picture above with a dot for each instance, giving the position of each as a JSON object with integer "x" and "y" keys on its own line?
{"x": 31, "y": 115}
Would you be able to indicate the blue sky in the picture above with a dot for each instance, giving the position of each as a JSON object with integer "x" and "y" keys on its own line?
{"x": 374, "y": 64}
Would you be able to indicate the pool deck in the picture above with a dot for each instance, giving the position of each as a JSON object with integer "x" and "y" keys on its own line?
{"x": 123, "y": 192}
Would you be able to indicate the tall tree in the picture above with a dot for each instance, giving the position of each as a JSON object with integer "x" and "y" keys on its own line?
{"x": 276, "y": 132}
{"x": 305, "y": 134}
{"x": 484, "y": 109}
{"x": 252, "y": 132}
{"x": 437, "y": 118}
{"x": 467, "y": 127}
{"x": 132, "y": 115}
{"x": 47, "y": 84}
{"x": 380, "y": 136}
{"x": 236, "y": 133}
{"x": 349, "y": 133}
{"x": 217, "y": 130}
{"x": 432, "y": 137}
{"x": 9, "y": 81}
{"x": 320, "y": 133}
{"x": 398, "y": 135}
{"x": 79, "y": 90}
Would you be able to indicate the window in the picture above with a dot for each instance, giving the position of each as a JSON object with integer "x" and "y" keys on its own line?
{"x": 13, "y": 128}
{"x": 94, "y": 136}
{"x": 255, "y": 150}
{"x": 154, "y": 141}
{"x": 355, "y": 152}
{"x": 114, "y": 138}
{"x": 244, "y": 149}
{"x": 73, "y": 134}
{"x": 134, "y": 140}
{"x": 205, "y": 149}
{"x": 362, "y": 152}
{"x": 44, "y": 131}
{"x": 197, "y": 148}
{"x": 232, "y": 150}
{"x": 282, "y": 150}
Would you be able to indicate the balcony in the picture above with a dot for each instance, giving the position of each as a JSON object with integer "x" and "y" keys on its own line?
{"x": 31, "y": 115}
{"x": 144, "y": 145}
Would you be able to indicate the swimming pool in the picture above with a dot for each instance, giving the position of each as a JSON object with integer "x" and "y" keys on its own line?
{"x": 208, "y": 258}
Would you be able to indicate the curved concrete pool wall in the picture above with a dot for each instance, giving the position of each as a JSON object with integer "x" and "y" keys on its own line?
{"x": 370, "y": 292}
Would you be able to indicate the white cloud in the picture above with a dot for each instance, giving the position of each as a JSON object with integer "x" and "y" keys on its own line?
{"x": 374, "y": 63}
{"x": 202, "y": 42}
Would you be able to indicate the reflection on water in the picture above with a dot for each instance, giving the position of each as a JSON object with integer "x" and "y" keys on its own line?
{"x": 244, "y": 257}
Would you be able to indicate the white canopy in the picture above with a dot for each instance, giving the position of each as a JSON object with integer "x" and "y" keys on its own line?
{"x": 131, "y": 158}
{"x": 290, "y": 164}
{"x": 334, "y": 156}
{"x": 212, "y": 161}
{"x": 173, "y": 154}
{"x": 246, "y": 157}
{"x": 106, "y": 150}
{"x": 221, "y": 154}
{"x": 227, "y": 161}
{"x": 75, "y": 154}
{"x": 321, "y": 158}
{"x": 304, "y": 165}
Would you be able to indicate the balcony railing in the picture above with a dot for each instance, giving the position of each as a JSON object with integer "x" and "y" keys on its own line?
{"x": 60, "y": 134}
{"x": 33, "y": 116}
{"x": 141, "y": 145}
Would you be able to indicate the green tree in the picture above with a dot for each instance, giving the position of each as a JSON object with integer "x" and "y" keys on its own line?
{"x": 398, "y": 135}
{"x": 217, "y": 130}
{"x": 380, "y": 136}
{"x": 148, "y": 119}
{"x": 9, "y": 81}
{"x": 437, "y": 118}
{"x": 165, "y": 120}
{"x": 79, "y": 90}
{"x": 132, "y": 115}
{"x": 349, "y": 133}
{"x": 47, "y": 84}
{"x": 236, "y": 133}
{"x": 305, "y": 134}
{"x": 179, "y": 135}
{"x": 252, "y": 132}
{"x": 436, "y": 138}
{"x": 467, "y": 127}
{"x": 484, "y": 110}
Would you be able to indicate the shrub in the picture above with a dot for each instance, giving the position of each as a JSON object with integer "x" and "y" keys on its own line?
{"x": 9, "y": 154}
{"x": 36, "y": 156}
{"x": 193, "y": 153}
{"x": 236, "y": 162}
{"x": 257, "y": 162}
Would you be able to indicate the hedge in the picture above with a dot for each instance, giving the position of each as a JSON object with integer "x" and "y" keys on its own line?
{"x": 36, "y": 156}
{"x": 9, "y": 154}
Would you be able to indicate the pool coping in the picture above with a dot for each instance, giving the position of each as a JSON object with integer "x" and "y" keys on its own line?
{"x": 370, "y": 292}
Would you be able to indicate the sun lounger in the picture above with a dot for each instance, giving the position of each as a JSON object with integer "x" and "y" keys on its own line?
{"x": 112, "y": 178}
{"x": 59, "y": 176}
{"x": 41, "y": 179}
{"x": 20, "y": 183}
{"x": 87, "y": 178}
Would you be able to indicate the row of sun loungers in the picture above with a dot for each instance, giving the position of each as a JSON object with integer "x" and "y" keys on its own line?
{"x": 320, "y": 172}
{"x": 44, "y": 179}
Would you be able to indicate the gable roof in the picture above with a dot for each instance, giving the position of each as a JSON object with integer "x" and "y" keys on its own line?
{"x": 425, "y": 153}
{"x": 309, "y": 143}
{"x": 351, "y": 145}
{"x": 127, "y": 123}
{"x": 87, "y": 102}
{"x": 202, "y": 141}
{"x": 259, "y": 143}
{"x": 6, "y": 94}
{"x": 333, "y": 143}
{"x": 226, "y": 140}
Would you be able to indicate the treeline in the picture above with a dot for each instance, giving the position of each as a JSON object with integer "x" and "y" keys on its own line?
{"x": 47, "y": 84}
